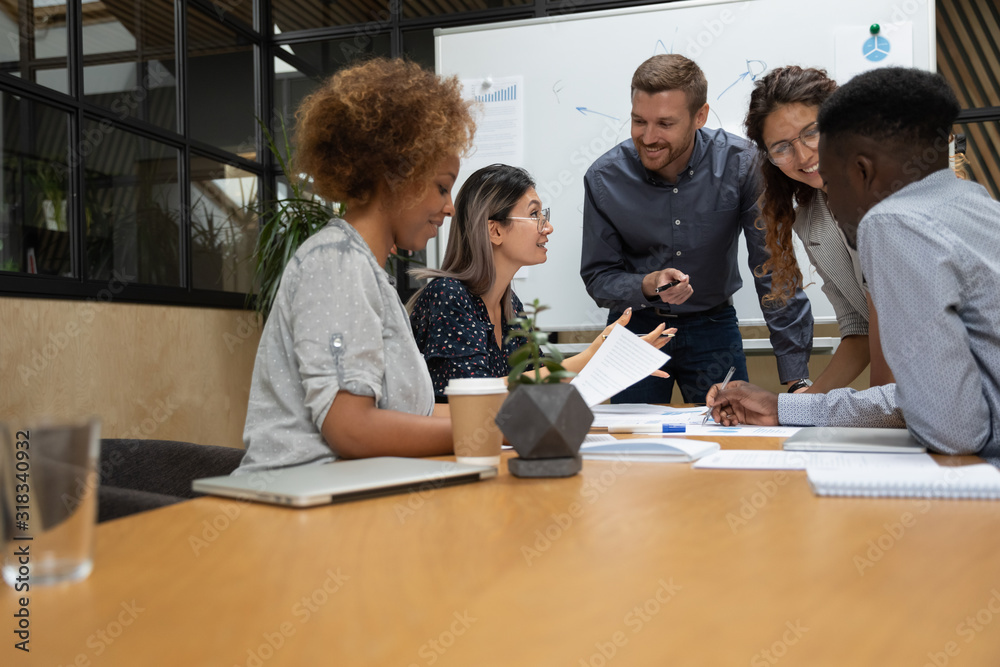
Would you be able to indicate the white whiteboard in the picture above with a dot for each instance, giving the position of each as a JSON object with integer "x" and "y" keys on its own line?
{"x": 587, "y": 60}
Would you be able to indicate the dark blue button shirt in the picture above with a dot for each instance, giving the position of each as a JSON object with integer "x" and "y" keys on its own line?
{"x": 634, "y": 223}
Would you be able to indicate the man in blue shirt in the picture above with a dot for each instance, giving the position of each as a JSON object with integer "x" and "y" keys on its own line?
{"x": 666, "y": 208}
{"x": 929, "y": 245}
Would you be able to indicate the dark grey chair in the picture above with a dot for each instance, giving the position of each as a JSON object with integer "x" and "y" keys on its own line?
{"x": 140, "y": 475}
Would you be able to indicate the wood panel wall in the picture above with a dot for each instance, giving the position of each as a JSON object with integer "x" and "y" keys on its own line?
{"x": 156, "y": 372}
{"x": 968, "y": 55}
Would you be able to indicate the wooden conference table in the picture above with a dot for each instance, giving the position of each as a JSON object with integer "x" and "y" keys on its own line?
{"x": 641, "y": 564}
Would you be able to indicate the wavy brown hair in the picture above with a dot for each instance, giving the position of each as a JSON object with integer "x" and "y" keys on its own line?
{"x": 383, "y": 123}
{"x": 783, "y": 86}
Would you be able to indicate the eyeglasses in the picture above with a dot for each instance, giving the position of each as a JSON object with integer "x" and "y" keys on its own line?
{"x": 782, "y": 152}
{"x": 541, "y": 219}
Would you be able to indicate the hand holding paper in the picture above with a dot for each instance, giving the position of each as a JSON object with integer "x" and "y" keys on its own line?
{"x": 621, "y": 361}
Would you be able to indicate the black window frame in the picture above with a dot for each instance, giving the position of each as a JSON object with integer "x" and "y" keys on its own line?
{"x": 266, "y": 47}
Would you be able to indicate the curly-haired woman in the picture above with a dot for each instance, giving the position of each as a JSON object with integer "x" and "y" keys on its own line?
{"x": 782, "y": 122}
{"x": 337, "y": 373}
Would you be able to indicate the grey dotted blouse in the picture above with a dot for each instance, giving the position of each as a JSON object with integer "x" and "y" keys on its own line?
{"x": 337, "y": 325}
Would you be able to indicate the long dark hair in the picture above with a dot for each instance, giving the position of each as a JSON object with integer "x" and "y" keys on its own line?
{"x": 786, "y": 85}
{"x": 490, "y": 193}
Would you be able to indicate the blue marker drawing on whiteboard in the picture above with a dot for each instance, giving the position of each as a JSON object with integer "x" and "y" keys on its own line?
{"x": 717, "y": 117}
{"x": 876, "y": 48}
{"x": 585, "y": 111}
{"x": 659, "y": 43}
{"x": 749, "y": 73}
{"x": 555, "y": 90}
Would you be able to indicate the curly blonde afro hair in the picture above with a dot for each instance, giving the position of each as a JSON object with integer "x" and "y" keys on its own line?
{"x": 382, "y": 122}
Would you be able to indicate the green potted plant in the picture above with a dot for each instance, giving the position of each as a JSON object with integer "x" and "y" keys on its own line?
{"x": 544, "y": 418}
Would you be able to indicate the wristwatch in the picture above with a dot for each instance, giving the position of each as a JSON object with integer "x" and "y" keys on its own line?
{"x": 799, "y": 384}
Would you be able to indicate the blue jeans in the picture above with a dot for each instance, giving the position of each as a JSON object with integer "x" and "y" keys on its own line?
{"x": 700, "y": 355}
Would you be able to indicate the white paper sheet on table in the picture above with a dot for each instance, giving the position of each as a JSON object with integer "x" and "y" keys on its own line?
{"x": 715, "y": 430}
{"x": 642, "y": 409}
{"x": 622, "y": 360}
{"x": 651, "y": 450}
{"x": 641, "y": 413}
{"x": 752, "y": 459}
{"x": 598, "y": 439}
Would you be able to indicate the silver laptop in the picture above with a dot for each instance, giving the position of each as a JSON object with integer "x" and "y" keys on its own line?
{"x": 341, "y": 481}
{"x": 848, "y": 439}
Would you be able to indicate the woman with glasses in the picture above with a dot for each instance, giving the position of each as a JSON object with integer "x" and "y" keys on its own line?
{"x": 781, "y": 121}
{"x": 460, "y": 318}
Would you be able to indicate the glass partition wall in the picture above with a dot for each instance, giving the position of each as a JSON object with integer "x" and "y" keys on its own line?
{"x": 131, "y": 139}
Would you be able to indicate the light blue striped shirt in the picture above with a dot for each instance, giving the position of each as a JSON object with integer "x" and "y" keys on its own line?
{"x": 931, "y": 255}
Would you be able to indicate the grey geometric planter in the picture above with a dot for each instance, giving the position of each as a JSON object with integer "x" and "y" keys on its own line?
{"x": 546, "y": 424}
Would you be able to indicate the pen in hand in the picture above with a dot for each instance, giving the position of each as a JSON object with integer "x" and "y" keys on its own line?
{"x": 729, "y": 375}
{"x": 663, "y": 288}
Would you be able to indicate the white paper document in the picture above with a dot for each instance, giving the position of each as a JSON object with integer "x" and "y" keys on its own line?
{"x": 597, "y": 439}
{"x": 499, "y": 120}
{"x": 713, "y": 429}
{"x": 751, "y": 459}
{"x": 654, "y": 450}
{"x": 622, "y": 360}
{"x": 643, "y": 413}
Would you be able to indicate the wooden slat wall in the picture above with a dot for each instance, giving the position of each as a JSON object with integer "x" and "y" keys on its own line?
{"x": 968, "y": 54}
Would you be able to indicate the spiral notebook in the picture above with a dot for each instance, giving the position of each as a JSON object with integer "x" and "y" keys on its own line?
{"x": 981, "y": 482}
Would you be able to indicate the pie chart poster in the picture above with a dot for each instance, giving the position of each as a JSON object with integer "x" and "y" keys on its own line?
{"x": 858, "y": 50}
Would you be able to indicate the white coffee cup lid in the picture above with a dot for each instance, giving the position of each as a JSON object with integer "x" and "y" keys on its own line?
{"x": 475, "y": 386}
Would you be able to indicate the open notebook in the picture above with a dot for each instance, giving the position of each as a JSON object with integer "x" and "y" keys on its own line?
{"x": 981, "y": 481}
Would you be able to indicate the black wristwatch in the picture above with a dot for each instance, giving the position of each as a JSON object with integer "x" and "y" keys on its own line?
{"x": 799, "y": 384}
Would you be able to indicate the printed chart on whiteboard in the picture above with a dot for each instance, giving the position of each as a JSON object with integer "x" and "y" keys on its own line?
{"x": 499, "y": 121}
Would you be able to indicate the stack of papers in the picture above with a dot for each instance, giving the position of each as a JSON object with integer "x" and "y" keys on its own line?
{"x": 642, "y": 414}
{"x": 623, "y": 414}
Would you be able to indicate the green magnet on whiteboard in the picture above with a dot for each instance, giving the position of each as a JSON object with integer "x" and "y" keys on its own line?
{"x": 874, "y": 29}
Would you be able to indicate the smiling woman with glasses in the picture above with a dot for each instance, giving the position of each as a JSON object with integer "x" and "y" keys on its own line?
{"x": 460, "y": 317}
{"x": 782, "y": 123}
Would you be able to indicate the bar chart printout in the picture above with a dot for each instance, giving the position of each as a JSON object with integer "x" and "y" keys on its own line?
{"x": 499, "y": 121}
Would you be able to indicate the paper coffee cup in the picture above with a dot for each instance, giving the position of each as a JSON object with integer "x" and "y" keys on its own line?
{"x": 474, "y": 405}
